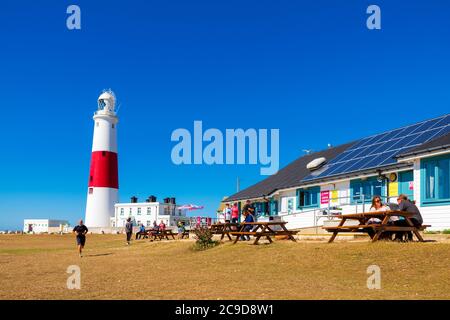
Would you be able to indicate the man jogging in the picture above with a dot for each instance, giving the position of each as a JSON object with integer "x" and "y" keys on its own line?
{"x": 129, "y": 230}
{"x": 80, "y": 230}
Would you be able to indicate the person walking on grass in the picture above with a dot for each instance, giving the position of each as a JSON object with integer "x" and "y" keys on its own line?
{"x": 80, "y": 231}
{"x": 129, "y": 230}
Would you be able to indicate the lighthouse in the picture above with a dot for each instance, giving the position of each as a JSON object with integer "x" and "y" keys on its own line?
{"x": 103, "y": 186}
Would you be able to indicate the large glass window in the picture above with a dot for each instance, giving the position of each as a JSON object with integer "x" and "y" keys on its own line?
{"x": 308, "y": 198}
{"x": 436, "y": 180}
{"x": 364, "y": 190}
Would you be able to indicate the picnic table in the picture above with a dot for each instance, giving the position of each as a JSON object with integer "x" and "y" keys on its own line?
{"x": 378, "y": 229}
{"x": 224, "y": 229}
{"x": 161, "y": 234}
{"x": 263, "y": 229}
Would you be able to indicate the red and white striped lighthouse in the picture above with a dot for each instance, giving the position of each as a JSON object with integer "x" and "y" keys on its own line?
{"x": 103, "y": 189}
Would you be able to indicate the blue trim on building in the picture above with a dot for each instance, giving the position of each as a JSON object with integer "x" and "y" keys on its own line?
{"x": 434, "y": 164}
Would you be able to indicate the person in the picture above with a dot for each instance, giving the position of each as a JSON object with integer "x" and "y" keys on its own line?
{"x": 248, "y": 218}
{"x": 248, "y": 207}
{"x": 181, "y": 229}
{"x": 162, "y": 226}
{"x": 141, "y": 232}
{"x": 227, "y": 213}
{"x": 155, "y": 226}
{"x": 235, "y": 213}
{"x": 406, "y": 205}
{"x": 80, "y": 230}
{"x": 129, "y": 230}
{"x": 377, "y": 206}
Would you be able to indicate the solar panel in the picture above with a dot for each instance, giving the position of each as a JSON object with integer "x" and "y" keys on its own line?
{"x": 381, "y": 149}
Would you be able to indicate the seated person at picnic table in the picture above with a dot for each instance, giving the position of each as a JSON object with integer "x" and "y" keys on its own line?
{"x": 181, "y": 229}
{"x": 162, "y": 226}
{"x": 377, "y": 206}
{"x": 141, "y": 232}
{"x": 406, "y": 205}
{"x": 248, "y": 218}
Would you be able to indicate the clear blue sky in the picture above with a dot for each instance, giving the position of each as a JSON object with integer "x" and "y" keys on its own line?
{"x": 310, "y": 68}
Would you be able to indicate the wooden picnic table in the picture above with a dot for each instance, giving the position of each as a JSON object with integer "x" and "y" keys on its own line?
{"x": 378, "y": 229}
{"x": 161, "y": 234}
{"x": 263, "y": 229}
{"x": 224, "y": 229}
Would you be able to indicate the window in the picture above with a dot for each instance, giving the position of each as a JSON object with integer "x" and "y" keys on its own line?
{"x": 149, "y": 210}
{"x": 91, "y": 190}
{"x": 273, "y": 207}
{"x": 149, "y": 223}
{"x": 139, "y": 211}
{"x": 435, "y": 180}
{"x": 121, "y": 211}
{"x": 131, "y": 210}
{"x": 364, "y": 190}
{"x": 308, "y": 198}
{"x": 113, "y": 126}
{"x": 406, "y": 184}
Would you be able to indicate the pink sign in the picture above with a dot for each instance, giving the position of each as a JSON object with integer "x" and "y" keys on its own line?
{"x": 324, "y": 197}
{"x": 411, "y": 185}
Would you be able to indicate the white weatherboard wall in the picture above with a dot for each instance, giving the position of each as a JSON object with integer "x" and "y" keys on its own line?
{"x": 436, "y": 216}
{"x": 308, "y": 217}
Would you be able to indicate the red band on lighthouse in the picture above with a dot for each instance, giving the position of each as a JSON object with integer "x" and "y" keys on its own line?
{"x": 103, "y": 172}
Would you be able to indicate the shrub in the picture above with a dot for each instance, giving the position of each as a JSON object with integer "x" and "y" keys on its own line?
{"x": 204, "y": 239}
{"x": 446, "y": 231}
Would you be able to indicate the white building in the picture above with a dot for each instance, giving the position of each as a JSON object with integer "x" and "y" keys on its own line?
{"x": 413, "y": 160}
{"x": 45, "y": 225}
{"x": 147, "y": 212}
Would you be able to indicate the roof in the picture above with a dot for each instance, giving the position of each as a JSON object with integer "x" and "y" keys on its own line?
{"x": 289, "y": 176}
{"x": 440, "y": 143}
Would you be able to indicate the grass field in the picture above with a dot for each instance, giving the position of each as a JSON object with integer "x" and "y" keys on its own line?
{"x": 34, "y": 267}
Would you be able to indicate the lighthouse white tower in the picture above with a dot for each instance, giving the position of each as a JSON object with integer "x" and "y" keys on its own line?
{"x": 103, "y": 187}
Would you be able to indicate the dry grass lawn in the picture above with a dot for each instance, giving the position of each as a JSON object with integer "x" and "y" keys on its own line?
{"x": 34, "y": 267}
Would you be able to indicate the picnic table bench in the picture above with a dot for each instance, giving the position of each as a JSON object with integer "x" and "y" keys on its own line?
{"x": 378, "y": 229}
{"x": 161, "y": 234}
{"x": 224, "y": 229}
{"x": 263, "y": 229}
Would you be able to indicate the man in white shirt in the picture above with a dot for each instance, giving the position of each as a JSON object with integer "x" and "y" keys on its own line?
{"x": 227, "y": 213}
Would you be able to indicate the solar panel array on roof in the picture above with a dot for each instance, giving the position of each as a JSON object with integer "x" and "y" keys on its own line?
{"x": 381, "y": 149}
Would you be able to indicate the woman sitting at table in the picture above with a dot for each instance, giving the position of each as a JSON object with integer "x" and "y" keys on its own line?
{"x": 377, "y": 206}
